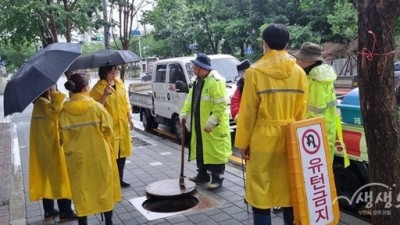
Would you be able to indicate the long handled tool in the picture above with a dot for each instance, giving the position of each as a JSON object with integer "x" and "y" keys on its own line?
{"x": 244, "y": 185}
{"x": 182, "y": 177}
{"x": 172, "y": 188}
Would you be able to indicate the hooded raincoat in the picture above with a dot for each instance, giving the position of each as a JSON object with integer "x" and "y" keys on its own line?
{"x": 274, "y": 95}
{"x": 48, "y": 177}
{"x": 117, "y": 104}
{"x": 86, "y": 132}
{"x": 322, "y": 100}
{"x": 213, "y": 103}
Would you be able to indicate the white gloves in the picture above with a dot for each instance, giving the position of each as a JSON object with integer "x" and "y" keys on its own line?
{"x": 182, "y": 120}
{"x": 209, "y": 126}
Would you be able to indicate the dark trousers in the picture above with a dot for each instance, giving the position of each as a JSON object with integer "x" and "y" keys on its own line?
{"x": 121, "y": 166}
{"x": 82, "y": 220}
{"x": 64, "y": 205}
{"x": 263, "y": 216}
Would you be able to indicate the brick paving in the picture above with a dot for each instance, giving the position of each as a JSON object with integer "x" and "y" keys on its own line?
{"x": 155, "y": 158}
{"x": 5, "y": 172}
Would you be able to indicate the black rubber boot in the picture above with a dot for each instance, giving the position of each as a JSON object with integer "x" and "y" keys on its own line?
{"x": 216, "y": 181}
{"x": 49, "y": 210}
{"x": 82, "y": 220}
{"x": 201, "y": 177}
{"x": 121, "y": 166}
{"x": 108, "y": 217}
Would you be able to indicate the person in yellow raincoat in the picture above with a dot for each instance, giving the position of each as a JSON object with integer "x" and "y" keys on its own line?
{"x": 86, "y": 134}
{"x": 110, "y": 91}
{"x": 48, "y": 177}
{"x": 322, "y": 97}
{"x": 206, "y": 106}
{"x": 274, "y": 95}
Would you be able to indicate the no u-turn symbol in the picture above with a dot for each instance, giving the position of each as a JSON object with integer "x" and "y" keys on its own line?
{"x": 311, "y": 141}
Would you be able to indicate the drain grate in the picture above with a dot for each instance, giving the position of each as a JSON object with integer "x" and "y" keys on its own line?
{"x": 138, "y": 142}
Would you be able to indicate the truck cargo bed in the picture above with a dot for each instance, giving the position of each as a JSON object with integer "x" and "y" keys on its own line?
{"x": 140, "y": 95}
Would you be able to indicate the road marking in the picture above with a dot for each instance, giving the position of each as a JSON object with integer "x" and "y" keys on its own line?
{"x": 156, "y": 164}
{"x": 165, "y": 153}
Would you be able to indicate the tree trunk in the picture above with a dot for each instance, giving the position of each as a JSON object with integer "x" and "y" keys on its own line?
{"x": 377, "y": 24}
{"x": 52, "y": 25}
{"x": 106, "y": 25}
{"x": 68, "y": 23}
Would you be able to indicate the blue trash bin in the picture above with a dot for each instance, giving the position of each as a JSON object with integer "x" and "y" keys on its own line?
{"x": 350, "y": 108}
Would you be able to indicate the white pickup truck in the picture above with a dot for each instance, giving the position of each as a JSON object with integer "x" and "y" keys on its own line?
{"x": 160, "y": 102}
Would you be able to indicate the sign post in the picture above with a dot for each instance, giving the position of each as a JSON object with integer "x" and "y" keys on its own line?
{"x": 311, "y": 176}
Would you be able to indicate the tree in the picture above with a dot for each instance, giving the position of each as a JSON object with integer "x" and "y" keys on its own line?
{"x": 380, "y": 110}
{"x": 173, "y": 25}
{"x": 344, "y": 20}
{"x": 47, "y": 20}
{"x": 127, "y": 13}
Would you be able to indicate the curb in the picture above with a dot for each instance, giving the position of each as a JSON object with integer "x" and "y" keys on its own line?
{"x": 17, "y": 195}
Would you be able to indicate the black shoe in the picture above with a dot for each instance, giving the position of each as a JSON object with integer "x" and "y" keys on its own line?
{"x": 50, "y": 215}
{"x": 124, "y": 184}
{"x": 68, "y": 216}
{"x": 200, "y": 178}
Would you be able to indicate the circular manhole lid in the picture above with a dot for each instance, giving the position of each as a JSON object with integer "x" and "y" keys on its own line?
{"x": 170, "y": 188}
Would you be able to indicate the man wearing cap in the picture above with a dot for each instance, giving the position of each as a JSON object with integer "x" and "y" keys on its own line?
{"x": 206, "y": 106}
{"x": 321, "y": 98}
{"x": 274, "y": 95}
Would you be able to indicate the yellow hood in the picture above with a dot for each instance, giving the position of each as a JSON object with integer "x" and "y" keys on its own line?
{"x": 278, "y": 65}
{"x": 78, "y": 104}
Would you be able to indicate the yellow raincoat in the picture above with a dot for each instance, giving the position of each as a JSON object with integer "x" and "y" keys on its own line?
{"x": 216, "y": 144}
{"x": 117, "y": 104}
{"x": 275, "y": 94}
{"x": 48, "y": 177}
{"x": 86, "y": 132}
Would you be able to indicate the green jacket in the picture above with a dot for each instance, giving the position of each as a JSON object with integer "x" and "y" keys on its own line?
{"x": 322, "y": 99}
{"x": 214, "y": 109}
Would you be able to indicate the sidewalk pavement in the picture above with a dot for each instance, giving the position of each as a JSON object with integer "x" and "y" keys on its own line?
{"x": 154, "y": 159}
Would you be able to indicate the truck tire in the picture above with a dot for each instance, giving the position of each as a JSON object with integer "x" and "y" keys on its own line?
{"x": 347, "y": 185}
{"x": 147, "y": 120}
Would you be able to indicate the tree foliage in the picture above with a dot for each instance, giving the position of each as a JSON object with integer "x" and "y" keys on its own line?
{"x": 24, "y": 24}
{"x": 343, "y": 20}
{"x": 214, "y": 26}
{"x": 231, "y": 26}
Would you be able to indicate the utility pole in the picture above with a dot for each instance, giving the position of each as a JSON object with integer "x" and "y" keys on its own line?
{"x": 106, "y": 26}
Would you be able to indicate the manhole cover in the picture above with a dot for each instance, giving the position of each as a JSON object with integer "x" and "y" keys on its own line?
{"x": 138, "y": 142}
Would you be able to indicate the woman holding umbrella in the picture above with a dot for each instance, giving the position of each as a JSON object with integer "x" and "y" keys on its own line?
{"x": 48, "y": 178}
{"x": 86, "y": 133}
{"x": 110, "y": 91}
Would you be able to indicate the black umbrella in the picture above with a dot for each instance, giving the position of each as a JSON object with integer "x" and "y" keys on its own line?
{"x": 37, "y": 74}
{"x": 104, "y": 58}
